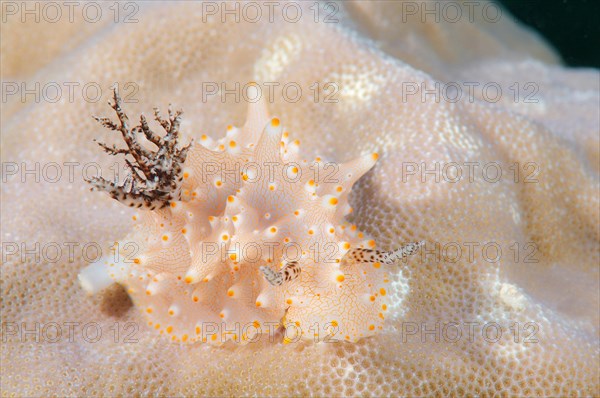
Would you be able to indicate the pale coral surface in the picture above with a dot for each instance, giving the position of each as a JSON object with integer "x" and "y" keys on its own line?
{"x": 541, "y": 292}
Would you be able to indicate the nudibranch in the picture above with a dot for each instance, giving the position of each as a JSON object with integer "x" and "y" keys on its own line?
{"x": 242, "y": 236}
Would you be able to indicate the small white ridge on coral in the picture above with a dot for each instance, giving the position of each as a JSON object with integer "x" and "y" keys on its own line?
{"x": 244, "y": 234}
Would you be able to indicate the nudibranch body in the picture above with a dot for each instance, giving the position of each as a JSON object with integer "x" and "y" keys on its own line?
{"x": 238, "y": 237}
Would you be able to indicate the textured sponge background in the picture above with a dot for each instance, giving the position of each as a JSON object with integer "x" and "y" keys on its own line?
{"x": 542, "y": 316}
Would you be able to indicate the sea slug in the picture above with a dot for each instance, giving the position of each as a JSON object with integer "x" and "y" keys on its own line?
{"x": 242, "y": 236}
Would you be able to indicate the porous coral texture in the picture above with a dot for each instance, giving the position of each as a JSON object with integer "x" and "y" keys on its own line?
{"x": 527, "y": 327}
